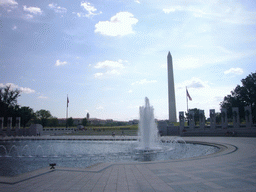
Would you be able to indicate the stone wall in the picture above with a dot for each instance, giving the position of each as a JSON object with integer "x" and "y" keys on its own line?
{"x": 16, "y": 130}
{"x": 234, "y": 128}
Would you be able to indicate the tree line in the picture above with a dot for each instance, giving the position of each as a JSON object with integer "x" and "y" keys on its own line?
{"x": 9, "y": 108}
{"x": 242, "y": 96}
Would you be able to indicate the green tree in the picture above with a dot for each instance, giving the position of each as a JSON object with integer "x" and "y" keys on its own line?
{"x": 26, "y": 114}
{"x": 43, "y": 116}
{"x": 8, "y": 96}
{"x": 84, "y": 121}
{"x": 70, "y": 121}
{"x": 8, "y": 103}
{"x": 242, "y": 96}
{"x": 53, "y": 122}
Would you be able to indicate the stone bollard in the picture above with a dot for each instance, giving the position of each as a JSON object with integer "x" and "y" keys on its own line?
{"x": 182, "y": 121}
{"x": 191, "y": 120}
{"x": 1, "y": 125}
{"x": 248, "y": 116}
{"x": 224, "y": 118}
{"x": 212, "y": 119}
{"x": 17, "y": 126}
{"x": 236, "y": 119}
{"x": 201, "y": 119}
{"x": 9, "y": 126}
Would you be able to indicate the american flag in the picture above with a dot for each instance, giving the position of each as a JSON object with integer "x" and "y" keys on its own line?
{"x": 67, "y": 101}
{"x": 188, "y": 95}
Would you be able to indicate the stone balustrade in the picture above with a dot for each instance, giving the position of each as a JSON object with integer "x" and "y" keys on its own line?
{"x": 16, "y": 130}
{"x": 218, "y": 129}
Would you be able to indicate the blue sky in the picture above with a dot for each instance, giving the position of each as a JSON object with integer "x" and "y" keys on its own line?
{"x": 109, "y": 55}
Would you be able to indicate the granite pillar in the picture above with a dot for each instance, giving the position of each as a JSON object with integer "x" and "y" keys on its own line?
{"x": 236, "y": 119}
{"x": 212, "y": 119}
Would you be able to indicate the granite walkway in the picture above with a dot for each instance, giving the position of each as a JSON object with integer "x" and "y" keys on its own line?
{"x": 232, "y": 169}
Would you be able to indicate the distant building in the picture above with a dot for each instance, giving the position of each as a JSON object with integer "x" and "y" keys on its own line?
{"x": 96, "y": 121}
{"x": 77, "y": 121}
{"x": 133, "y": 122}
{"x": 62, "y": 121}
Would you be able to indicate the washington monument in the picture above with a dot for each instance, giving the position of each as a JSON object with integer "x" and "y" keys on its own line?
{"x": 171, "y": 91}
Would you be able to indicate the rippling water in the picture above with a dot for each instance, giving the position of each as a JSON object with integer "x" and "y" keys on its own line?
{"x": 18, "y": 157}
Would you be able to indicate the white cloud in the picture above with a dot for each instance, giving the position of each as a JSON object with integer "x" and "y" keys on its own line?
{"x": 227, "y": 12}
{"x": 42, "y": 97}
{"x": 89, "y": 8}
{"x": 144, "y": 81}
{"x": 58, "y": 63}
{"x": 33, "y": 10}
{"x": 137, "y": 1}
{"x": 22, "y": 89}
{"x": 78, "y": 14}
{"x": 99, "y": 107}
{"x": 29, "y": 16}
{"x": 130, "y": 91}
{"x": 27, "y": 90}
{"x": 111, "y": 68}
{"x": 113, "y": 72}
{"x": 119, "y": 25}
{"x": 8, "y": 3}
{"x": 110, "y": 64}
{"x": 97, "y": 75}
{"x": 14, "y": 27}
{"x": 167, "y": 11}
{"x": 194, "y": 82}
{"x": 57, "y": 9}
{"x": 237, "y": 71}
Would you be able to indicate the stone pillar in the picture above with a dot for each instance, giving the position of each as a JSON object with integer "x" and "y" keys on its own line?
{"x": 201, "y": 119}
{"x": 248, "y": 116}
{"x": 212, "y": 119}
{"x": 162, "y": 128}
{"x": 182, "y": 120}
{"x": 224, "y": 118}
{"x": 1, "y": 125}
{"x": 17, "y": 122}
{"x": 9, "y": 126}
{"x": 191, "y": 119}
{"x": 236, "y": 120}
{"x": 17, "y": 126}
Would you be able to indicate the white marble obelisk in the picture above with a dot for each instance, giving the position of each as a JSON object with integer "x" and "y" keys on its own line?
{"x": 171, "y": 90}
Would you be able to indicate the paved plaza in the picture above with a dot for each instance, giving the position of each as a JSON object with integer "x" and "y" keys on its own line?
{"x": 231, "y": 169}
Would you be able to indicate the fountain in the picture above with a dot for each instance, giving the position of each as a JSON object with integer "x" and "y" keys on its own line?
{"x": 27, "y": 155}
{"x": 147, "y": 128}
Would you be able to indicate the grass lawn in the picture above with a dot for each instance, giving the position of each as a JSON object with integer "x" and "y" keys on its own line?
{"x": 129, "y": 130}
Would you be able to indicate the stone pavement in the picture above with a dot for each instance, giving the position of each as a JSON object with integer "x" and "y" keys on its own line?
{"x": 232, "y": 169}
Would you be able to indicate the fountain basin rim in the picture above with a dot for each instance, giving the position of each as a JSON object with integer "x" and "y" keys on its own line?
{"x": 89, "y": 138}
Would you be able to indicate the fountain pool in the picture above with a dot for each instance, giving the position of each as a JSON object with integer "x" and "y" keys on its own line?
{"x": 20, "y": 156}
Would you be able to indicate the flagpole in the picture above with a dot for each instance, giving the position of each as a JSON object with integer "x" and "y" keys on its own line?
{"x": 67, "y": 114}
{"x": 187, "y": 99}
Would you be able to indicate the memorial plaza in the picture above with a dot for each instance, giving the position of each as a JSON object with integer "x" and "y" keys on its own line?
{"x": 232, "y": 168}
